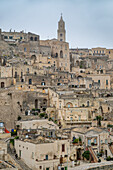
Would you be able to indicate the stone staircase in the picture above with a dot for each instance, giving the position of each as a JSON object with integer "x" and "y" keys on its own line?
{"x": 95, "y": 159}
{"x": 19, "y": 162}
{"x": 111, "y": 149}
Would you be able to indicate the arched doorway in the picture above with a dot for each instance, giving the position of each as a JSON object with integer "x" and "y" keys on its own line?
{"x": 36, "y": 104}
{"x": 2, "y": 84}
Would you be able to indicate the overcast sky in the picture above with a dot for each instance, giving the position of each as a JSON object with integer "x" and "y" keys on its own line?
{"x": 89, "y": 23}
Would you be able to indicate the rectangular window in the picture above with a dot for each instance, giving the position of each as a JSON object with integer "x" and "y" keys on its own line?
{"x": 101, "y": 141}
{"x": 99, "y": 81}
{"x": 105, "y": 141}
{"x": 46, "y": 157}
{"x": 32, "y": 155}
{"x": 10, "y": 37}
{"x": 89, "y": 142}
{"x": 25, "y": 49}
{"x": 79, "y": 118}
{"x": 95, "y": 141}
{"x": 63, "y": 147}
{"x": 106, "y": 82}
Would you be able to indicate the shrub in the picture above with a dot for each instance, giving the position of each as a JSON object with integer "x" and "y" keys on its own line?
{"x": 86, "y": 155}
{"x": 42, "y": 115}
{"x": 92, "y": 144}
{"x": 108, "y": 158}
{"x": 75, "y": 140}
{"x": 80, "y": 140}
{"x": 17, "y": 137}
{"x": 12, "y": 141}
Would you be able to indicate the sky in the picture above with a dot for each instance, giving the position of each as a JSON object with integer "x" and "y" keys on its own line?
{"x": 89, "y": 23}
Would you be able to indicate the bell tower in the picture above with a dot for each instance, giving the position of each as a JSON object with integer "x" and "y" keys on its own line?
{"x": 61, "y": 32}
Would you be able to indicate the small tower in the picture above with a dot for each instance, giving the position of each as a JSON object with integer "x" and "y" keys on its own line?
{"x": 61, "y": 32}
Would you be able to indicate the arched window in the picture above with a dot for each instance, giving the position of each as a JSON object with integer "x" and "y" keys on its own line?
{"x": 35, "y": 38}
{"x": 69, "y": 104}
{"x": 56, "y": 55}
{"x": 31, "y": 38}
{"x": 61, "y": 54}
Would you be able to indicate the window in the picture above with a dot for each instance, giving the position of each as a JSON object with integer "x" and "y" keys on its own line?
{"x": 60, "y": 39}
{"x": 31, "y": 38}
{"x": 97, "y": 51}
{"x": 101, "y": 141}
{"x": 10, "y": 37}
{"x": 35, "y": 38}
{"x": 109, "y": 52}
{"x": 25, "y": 49}
{"x": 99, "y": 81}
{"x": 40, "y": 167}
{"x": 79, "y": 118}
{"x": 1, "y": 124}
{"x": 61, "y": 35}
{"x": 90, "y": 85}
{"x": 32, "y": 155}
{"x": 88, "y": 103}
{"x": 63, "y": 147}
{"x": 106, "y": 82}
{"x": 30, "y": 81}
{"x": 105, "y": 141}
{"x": 47, "y": 168}
{"x": 95, "y": 141}
{"x": 68, "y": 105}
{"x": 27, "y": 70}
{"x": 5, "y": 37}
{"x": 89, "y": 142}
{"x": 46, "y": 157}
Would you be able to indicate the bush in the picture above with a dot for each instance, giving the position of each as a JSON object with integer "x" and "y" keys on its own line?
{"x": 108, "y": 158}
{"x": 86, "y": 155}
{"x": 50, "y": 119}
{"x": 80, "y": 140}
{"x": 75, "y": 140}
{"x": 12, "y": 141}
{"x": 42, "y": 115}
{"x": 33, "y": 109}
{"x": 92, "y": 144}
{"x": 13, "y": 133}
{"x": 17, "y": 137}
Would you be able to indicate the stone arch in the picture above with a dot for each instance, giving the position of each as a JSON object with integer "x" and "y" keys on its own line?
{"x": 69, "y": 104}
{"x": 33, "y": 57}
